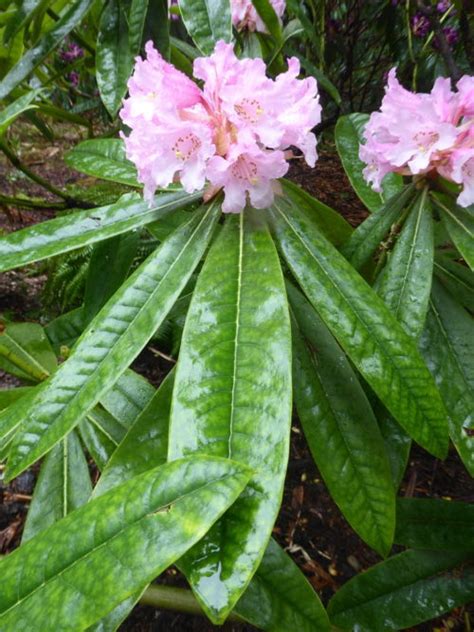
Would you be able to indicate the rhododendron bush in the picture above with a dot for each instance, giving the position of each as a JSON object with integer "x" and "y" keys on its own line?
{"x": 266, "y": 302}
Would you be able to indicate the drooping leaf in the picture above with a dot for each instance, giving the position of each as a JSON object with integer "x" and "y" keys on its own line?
{"x": 47, "y": 43}
{"x": 397, "y": 443}
{"x": 14, "y": 109}
{"x": 64, "y": 330}
{"x": 384, "y": 354}
{"x": 113, "y": 339}
{"x": 457, "y": 279}
{"x": 118, "y": 542}
{"x": 103, "y": 158}
{"x": 406, "y": 280}
{"x": 25, "y": 351}
{"x": 341, "y": 428}
{"x": 157, "y": 26}
{"x": 136, "y": 24}
{"x": 232, "y": 393}
{"x": 63, "y": 485}
{"x": 64, "y": 234}
{"x": 348, "y": 136}
{"x": 279, "y": 597}
{"x": 101, "y": 433}
{"x": 459, "y": 222}
{"x": 366, "y": 238}
{"x": 434, "y": 524}
{"x": 403, "y": 591}
{"x": 207, "y": 22}
{"x": 447, "y": 344}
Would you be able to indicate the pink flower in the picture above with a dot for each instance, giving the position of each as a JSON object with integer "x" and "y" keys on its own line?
{"x": 418, "y": 133}
{"x": 245, "y": 16}
{"x": 233, "y": 133}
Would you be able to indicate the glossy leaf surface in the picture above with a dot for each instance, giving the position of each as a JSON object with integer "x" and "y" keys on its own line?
{"x": 341, "y": 428}
{"x": 426, "y": 523}
{"x": 119, "y": 542}
{"x": 232, "y": 394}
{"x": 25, "y": 351}
{"x": 403, "y": 591}
{"x": 47, "y": 43}
{"x": 207, "y": 22}
{"x": 113, "y": 339}
{"x": 447, "y": 345}
{"x": 64, "y": 484}
{"x": 406, "y": 280}
{"x": 459, "y": 223}
{"x": 103, "y": 158}
{"x": 361, "y": 323}
{"x": 13, "y": 110}
{"x": 63, "y": 234}
{"x": 457, "y": 279}
{"x": 348, "y": 136}
{"x": 65, "y": 329}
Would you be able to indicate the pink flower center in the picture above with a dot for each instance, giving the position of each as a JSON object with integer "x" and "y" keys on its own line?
{"x": 186, "y": 146}
{"x": 249, "y": 109}
{"x": 245, "y": 170}
{"x": 426, "y": 140}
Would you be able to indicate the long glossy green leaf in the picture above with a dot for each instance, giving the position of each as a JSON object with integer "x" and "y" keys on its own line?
{"x": 385, "y": 355}
{"x": 457, "y": 279}
{"x": 136, "y": 23}
{"x": 459, "y": 223}
{"x": 10, "y": 395}
{"x": 146, "y": 443}
{"x": 108, "y": 268}
{"x": 63, "y": 485}
{"x": 48, "y": 42}
{"x": 114, "y": 58}
{"x": 430, "y": 523}
{"x": 64, "y": 234}
{"x": 157, "y": 26}
{"x": 207, "y": 22}
{"x": 103, "y": 158}
{"x": 406, "y": 280}
{"x": 331, "y": 223}
{"x": 13, "y": 110}
{"x": 341, "y": 428}
{"x": 130, "y": 394}
{"x": 66, "y": 329}
{"x": 118, "y": 542}
{"x": 25, "y": 352}
{"x": 447, "y": 345}
{"x": 366, "y": 238}
{"x": 232, "y": 394}
{"x": 266, "y": 11}
{"x": 280, "y": 598}
{"x": 403, "y": 591}
{"x": 397, "y": 443}
{"x": 113, "y": 339}
{"x": 348, "y": 136}
{"x": 101, "y": 433}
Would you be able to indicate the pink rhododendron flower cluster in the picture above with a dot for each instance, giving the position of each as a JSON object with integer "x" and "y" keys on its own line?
{"x": 233, "y": 133}
{"x": 245, "y": 16}
{"x": 419, "y": 133}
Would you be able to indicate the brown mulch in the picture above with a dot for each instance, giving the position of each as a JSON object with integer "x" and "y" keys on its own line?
{"x": 310, "y": 526}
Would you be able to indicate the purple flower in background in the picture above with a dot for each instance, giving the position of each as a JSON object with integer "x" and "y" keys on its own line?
{"x": 73, "y": 78}
{"x": 443, "y": 6}
{"x": 451, "y": 34}
{"x": 420, "y": 25}
{"x": 71, "y": 52}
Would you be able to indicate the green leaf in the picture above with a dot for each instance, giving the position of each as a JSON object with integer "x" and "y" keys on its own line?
{"x": 103, "y": 158}
{"x": 232, "y": 394}
{"x": 108, "y": 268}
{"x": 207, "y": 22}
{"x": 348, "y": 134}
{"x": 397, "y": 443}
{"x": 280, "y": 598}
{"x": 136, "y": 24}
{"x": 101, "y": 433}
{"x": 118, "y": 542}
{"x": 447, "y": 344}
{"x": 63, "y": 485}
{"x": 403, "y": 591}
{"x": 146, "y": 443}
{"x": 366, "y": 238}
{"x": 113, "y": 339}
{"x": 128, "y": 397}
{"x": 459, "y": 222}
{"x": 426, "y": 523}
{"x": 341, "y": 429}
{"x": 48, "y": 42}
{"x": 329, "y": 221}
{"x": 69, "y": 232}
{"x": 13, "y": 110}
{"x": 25, "y": 352}
{"x": 157, "y": 26}
{"x": 384, "y": 354}
{"x": 114, "y": 58}
{"x": 457, "y": 279}
{"x": 64, "y": 330}
{"x": 406, "y": 280}
{"x": 266, "y": 11}
{"x": 10, "y": 395}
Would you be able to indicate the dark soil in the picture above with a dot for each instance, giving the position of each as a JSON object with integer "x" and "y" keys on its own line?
{"x": 310, "y": 526}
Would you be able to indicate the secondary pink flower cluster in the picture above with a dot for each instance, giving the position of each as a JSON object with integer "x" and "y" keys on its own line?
{"x": 232, "y": 133}
{"x": 245, "y": 16}
{"x": 418, "y": 133}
